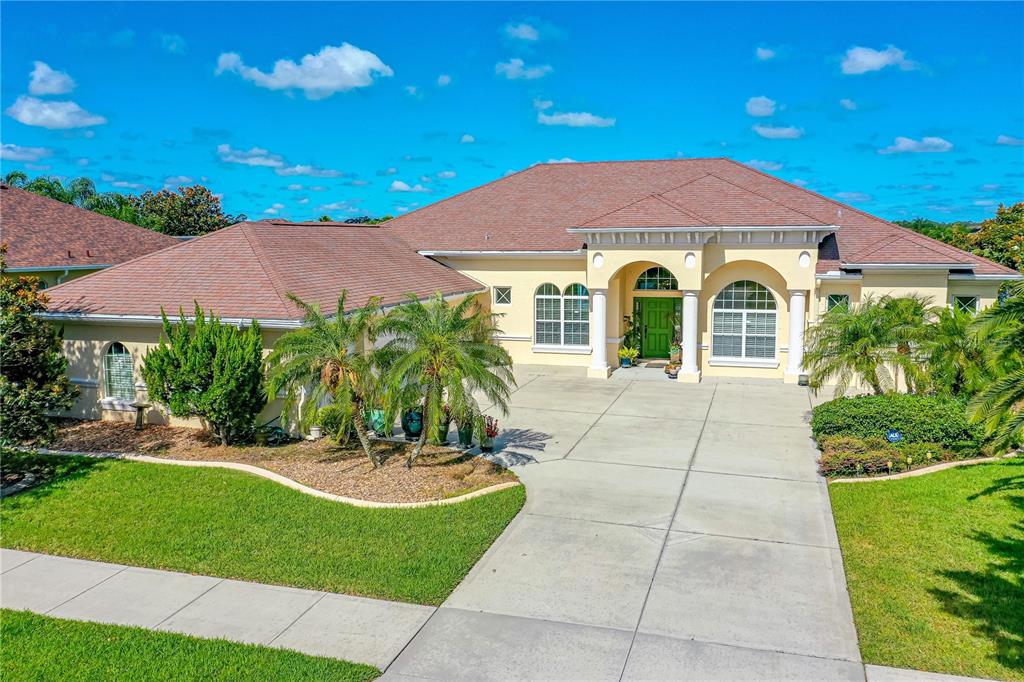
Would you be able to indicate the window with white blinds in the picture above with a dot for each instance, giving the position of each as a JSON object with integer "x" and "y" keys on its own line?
{"x": 118, "y": 373}
{"x": 562, "y": 317}
{"x": 743, "y": 322}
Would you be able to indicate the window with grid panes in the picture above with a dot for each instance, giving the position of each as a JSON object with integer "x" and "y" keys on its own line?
{"x": 118, "y": 373}
{"x": 743, "y": 322}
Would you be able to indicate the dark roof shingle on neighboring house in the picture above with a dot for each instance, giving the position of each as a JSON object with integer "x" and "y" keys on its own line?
{"x": 247, "y": 271}
{"x": 532, "y": 209}
{"x": 44, "y": 233}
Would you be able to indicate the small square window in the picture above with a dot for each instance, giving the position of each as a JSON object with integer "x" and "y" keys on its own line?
{"x": 965, "y": 304}
{"x": 503, "y": 295}
{"x": 838, "y": 301}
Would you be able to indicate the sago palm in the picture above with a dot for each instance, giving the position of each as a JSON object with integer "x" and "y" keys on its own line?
{"x": 324, "y": 359}
{"x": 851, "y": 342}
{"x": 1000, "y": 406}
{"x": 449, "y": 351}
{"x": 909, "y": 326}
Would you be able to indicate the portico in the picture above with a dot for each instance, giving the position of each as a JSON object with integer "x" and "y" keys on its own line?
{"x": 740, "y": 295}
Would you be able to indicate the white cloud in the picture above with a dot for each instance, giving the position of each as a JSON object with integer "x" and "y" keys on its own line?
{"x": 294, "y": 187}
{"x": 120, "y": 184}
{"x": 516, "y": 68}
{"x": 444, "y": 80}
{"x": 990, "y": 187}
{"x": 799, "y": 182}
{"x": 984, "y": 202}
{"x": 304, "y": 200}
{"x": 855, "y": 197}
{"x": 257, "y": 156}
{"x": 411, "y": 90}
{"x": 178, "y": 180}
{"x": 903, "y": 145}
{"x": 848, "y": 104}
{"x": 522, "y": 31}
{"x": 53, "y": 114}
{"x": 446, "y": 175}
{"x": 47, "y": 81}
{"x": 467, "y": 139}
{"x": 83, "y": 162}
{"x": 399, "y": 186}
{"x": 333, "y": 69}
{"x": 764, "y": 165}
{"x": 778, "y": 132}
{"x": 542, "y": 104}
{"x": 574, "y": 119}
{"x": 860, "y": 60}
{"x": 764, "y": 53}
{"x": 564, "y": 159}
{"x": 1009, "y": 141}
{"x": 274, "y": 209}
{"x": 760, "y": 106}
{"x": 172, "y": 43}
{"x": 388, "y": 171}
{"x": 15, "y": 152}
{"x": 308, "y": 170}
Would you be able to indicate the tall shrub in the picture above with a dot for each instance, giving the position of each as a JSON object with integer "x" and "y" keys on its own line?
{"x": 921, "y": 419}
{"x": 209, "y": 370}
{"x": 33, "y": 371}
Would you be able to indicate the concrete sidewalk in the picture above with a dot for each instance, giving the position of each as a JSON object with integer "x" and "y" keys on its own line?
{"x": 320, "y": 623}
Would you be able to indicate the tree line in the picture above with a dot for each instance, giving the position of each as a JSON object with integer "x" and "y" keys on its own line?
{"x": 1000, "y": 238}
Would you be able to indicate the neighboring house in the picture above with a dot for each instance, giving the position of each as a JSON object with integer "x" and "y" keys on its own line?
{"x": 57, "y": 242}
{"x": 731, "y": 261}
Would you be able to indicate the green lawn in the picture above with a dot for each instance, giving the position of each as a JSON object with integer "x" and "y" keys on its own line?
{"x": 43, "y": 648}
{"x": 230, "y": 524}
{"x": 935, "y": 567}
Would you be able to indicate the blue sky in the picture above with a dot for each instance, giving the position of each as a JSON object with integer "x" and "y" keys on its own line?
{"x": 901, "y": 109}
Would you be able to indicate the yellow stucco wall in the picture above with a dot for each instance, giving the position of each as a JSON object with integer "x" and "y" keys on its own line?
{"x": 86, "y": 344}
{"x": 51, "y": 278}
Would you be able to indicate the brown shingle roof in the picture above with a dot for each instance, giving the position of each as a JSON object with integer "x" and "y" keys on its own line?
{"x": 247, "y": 270}
{"x": 531, "y": 210}
{"x": 42, "y": 232}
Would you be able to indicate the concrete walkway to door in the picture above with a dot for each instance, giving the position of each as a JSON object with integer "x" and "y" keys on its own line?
{"x": 671, "y": 531}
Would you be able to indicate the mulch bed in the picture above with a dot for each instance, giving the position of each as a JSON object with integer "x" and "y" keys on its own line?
{"x": 438, "y": 473}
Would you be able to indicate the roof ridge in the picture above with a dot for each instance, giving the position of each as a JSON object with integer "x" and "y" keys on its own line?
{"x": 687, "y": 211}
{"x": 872, "y": 248}
{"x": 271, "y": 273}
{"x": 891, "y": 225}
{"x": 179, "y": 245}
{"x": 627, "y": 205}
{"x": 774, "y": 201}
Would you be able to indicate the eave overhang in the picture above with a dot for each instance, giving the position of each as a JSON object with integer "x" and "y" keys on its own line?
{"x": 698, "y": 235}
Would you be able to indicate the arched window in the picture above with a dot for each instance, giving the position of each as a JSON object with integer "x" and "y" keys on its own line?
{"x": 118, "y": 373}
{"x": 656, "y": 278}
{"x": 562, "y": 318}
{"x": 743, "y": 322}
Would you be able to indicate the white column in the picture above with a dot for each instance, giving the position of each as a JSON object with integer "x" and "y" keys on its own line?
{"x": 797, "y": 305}
{"x": 689, "y": 372}
{"x": 598, "y": 333}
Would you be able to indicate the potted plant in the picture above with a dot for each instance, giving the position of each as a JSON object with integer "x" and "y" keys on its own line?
{"x": 672, "y": 370}
{"x": 376, "y": 421}
{"x": 444, "y": 423}
{"x": 465, "y": 433}
{"x": 675, "y": 348}
{"x": 627, "y": 356}
{"x": 488, "y": 430}
{"x": 412, "y": 422}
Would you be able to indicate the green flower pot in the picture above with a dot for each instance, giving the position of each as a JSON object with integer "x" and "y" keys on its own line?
{"x": 412, "y": 423}
{"x": 375, "y": 421}
{"x": 442, "y": 433}
{"x": 466, "y": 436}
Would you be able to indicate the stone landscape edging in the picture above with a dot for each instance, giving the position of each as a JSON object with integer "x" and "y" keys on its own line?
{"x": 923, "y": 470}
{"x": 283, "y": 480}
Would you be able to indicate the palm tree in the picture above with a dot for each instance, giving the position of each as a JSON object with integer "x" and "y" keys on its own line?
{"x": 120, "y": 206}
{"x": 1000, "y": 405}
{"x": 851, "y": 342}
{"x": 450, "y": 352}
{"x": 960, "y": 357}
{"x": 77, "y": 192}
{"x": 16, "y": 178}
{"x": 323, "y": 359}
{"x": 909, "y": 328}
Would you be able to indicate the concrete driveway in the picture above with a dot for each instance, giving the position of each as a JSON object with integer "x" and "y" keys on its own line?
{"x": 671, "y": 531}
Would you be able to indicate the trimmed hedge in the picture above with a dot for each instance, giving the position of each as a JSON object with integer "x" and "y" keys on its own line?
{"x": 921, "y": 419}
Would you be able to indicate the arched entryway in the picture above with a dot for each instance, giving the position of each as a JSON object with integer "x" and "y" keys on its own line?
{"x": 657, "y": 312}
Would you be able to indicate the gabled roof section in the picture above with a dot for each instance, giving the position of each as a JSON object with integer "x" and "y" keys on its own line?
{"x": 902, "y": 246}
{"x": 725, "y": 203}
{"x": 651, "y": 211}
{"x": 44, "y": 233}
{"x": 532, "y": 209}
{"x": 247, "y": 271}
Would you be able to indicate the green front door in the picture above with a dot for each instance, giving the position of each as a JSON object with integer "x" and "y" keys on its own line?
{"x": 656, "y": 335}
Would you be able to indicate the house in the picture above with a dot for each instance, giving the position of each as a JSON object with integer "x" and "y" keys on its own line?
{"x": 730, "y": 262}
{"x": 57, "y": 242}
